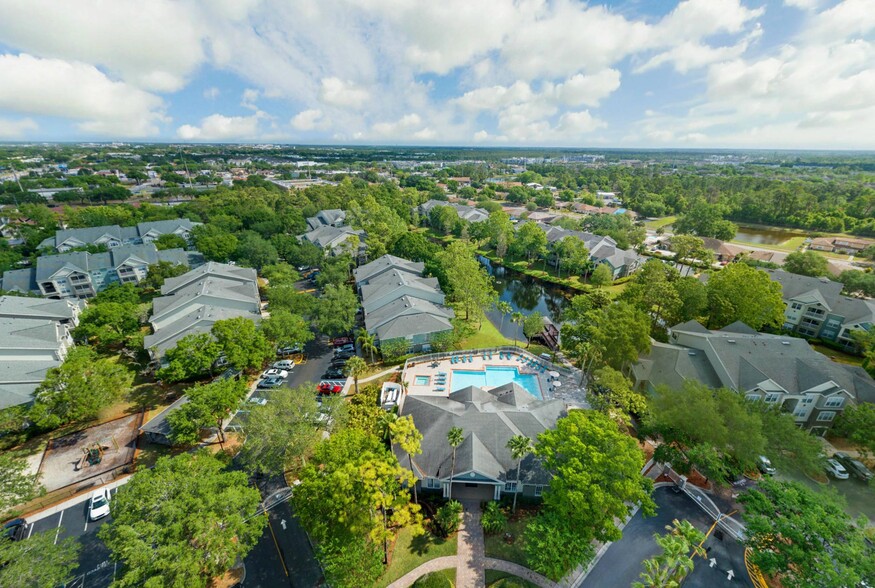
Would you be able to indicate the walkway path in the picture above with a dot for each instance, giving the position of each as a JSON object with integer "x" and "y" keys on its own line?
{"x": 471, "y": 562}
{"x": 349, "y": 381}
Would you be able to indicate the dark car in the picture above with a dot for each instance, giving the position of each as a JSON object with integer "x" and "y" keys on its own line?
{"x": 854, "y": 467}
{"x": 270, "y": 382}
{"x": 343, "y": 354}
{"x": 333, "y": 374}
{"x": 14, "y": 529}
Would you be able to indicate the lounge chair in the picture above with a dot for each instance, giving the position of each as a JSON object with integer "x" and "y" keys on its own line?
{"x": 442, "y": 373}
{"x": 501, "y": 355}
{"x": 470, "y": 359}
{"x": 440, "y": 389}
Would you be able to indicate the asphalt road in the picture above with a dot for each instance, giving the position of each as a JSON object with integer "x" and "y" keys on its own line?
{"x": 95, "y": 570}
{"x": 621, "y": 563}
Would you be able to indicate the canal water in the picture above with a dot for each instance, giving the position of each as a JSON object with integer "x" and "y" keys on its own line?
{"x": 763, "y": 236}
{"x": 526, "y": 295}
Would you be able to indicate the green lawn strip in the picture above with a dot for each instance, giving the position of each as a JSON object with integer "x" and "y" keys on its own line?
{"x": 659, "y": 222}
{"x": 836, "y": 355}
{"x": 410, "y": 552}
{"x": 494, "y": 576}
{"x": 449, "y": 574}
{"x": 498, "y": 548}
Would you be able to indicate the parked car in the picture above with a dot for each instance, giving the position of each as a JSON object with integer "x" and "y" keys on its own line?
{"x": 341, "y": 341}
{"x": 836, "y": 470}
{"x": 765, "y": 466}
{"x": 854, "y": 467}
{"x": 271, "y": 382}
{"x": 329, "y": 388}
{"x": 258, "y": 401}
{"x": 350, "y": 348}
{"x": 333, "y": 374}
{"x": 283, "y": 364}
{"x": 303, "y": 268}
{"x": 14, "y": 529}
{"x": 339, "y": 362}
{"x": 343, "y": 354}
{"x": 275, "y": 373}
{"x": 98, "y": 505}
{"x": 289, "y": 350}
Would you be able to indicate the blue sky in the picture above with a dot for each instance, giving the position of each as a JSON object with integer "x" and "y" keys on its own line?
{"x": 641, "y": 73}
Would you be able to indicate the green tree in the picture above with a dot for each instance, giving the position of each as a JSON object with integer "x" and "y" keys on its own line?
{"x": 742, "y": 293}
{"x": 688, "y": 248}
{"x": 806, "y": 263}
{"x": 170, "y": 241}
{"x": 621, "y": 331}
{"x": 394, "y": 349}
{"x": 554, "y": 547}
{"x": 455, "y": 436}
{"x": 858, "y": 282}
{"x": 289, "y": 298}
{"x": 519, "y": 446}
{"x": 857, "y": 424}
{"x": 504, "y": 308}
{"x": 108, "y": 324}
{"x": 805, "y": 536}
{"x": 159, "y": 272}
{"x": 354, "y": 368}
{"x": 517, "y": 318}
{"x": 865, "y": 341}
{"x": 596, "y": 479}
{"x": 443, "y": 218}
{"x": 530, "y": 242}
{"x": 182, "y": 523}
{"x": 245, "y": 347}
{"x": 214, "y": 243}
{"x": 253, "y": 250}
{"x": 192, "y": 356}
{"x": 16, "y": 484}
{"x": 282, "y": 328}
{"x": 38, "y": 561}
{"x": 533, "y": 325}
{"x": 79, "y": 388}
{"x": 280, "y": 274}
{"x": 572, "y": 256}
{"x": 467, "y": 279}
{"x": 404, "y": 432}
{"x": 601, "y": 276}
{"x": 612, "y": 394}
{"x": 367, "y": 343}
{"x": 336, "y": 311}
{"x": 280, "y": 435}
{"x": 669, "y": 568}
{"x": 208, "y": 405}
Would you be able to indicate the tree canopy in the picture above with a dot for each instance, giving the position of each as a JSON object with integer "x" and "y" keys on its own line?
{"x": 208, "y": 405}
{"x": 192, "y": 356}
{"x": 244, "y": 346}
{"x": 38, "y": 561}
{"x": 806, "y": 263}
{"x": 335, "y": 313}
{"x": 739, "y": 292}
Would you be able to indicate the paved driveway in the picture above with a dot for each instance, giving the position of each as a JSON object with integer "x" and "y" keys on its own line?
{"x": 621, "y": 563}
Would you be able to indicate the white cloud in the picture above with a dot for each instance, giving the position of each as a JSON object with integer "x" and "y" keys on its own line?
{"x": 589, "y": 90}
{"x": 309, "y": 120}
{"x": 579, "y": 122}
{"x": 156, "y": 45}
{"x": 343, "y": 94}
{"x": 212, "y": 93}
{"x": 404, "y": 127}
{"x": 694, "y": 54}
{"x": 78, "y": 91}
{"x": 249, "y": 98}
{"x": 16, "y": 129}
{"x": 494, "y": 97}
{"x": 218, "y": 127}
{"x": 802, "y": 4}
{"x": 847, "y": 19}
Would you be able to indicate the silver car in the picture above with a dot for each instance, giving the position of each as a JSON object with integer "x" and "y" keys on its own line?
{"x": 836, "y": 470}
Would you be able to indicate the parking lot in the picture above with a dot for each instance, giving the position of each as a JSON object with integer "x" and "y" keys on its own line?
{"x": 621, "y": 565}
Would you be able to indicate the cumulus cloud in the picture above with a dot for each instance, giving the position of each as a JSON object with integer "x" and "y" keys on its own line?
{"x": 343, "y": 93}
{"x": 404, "y": 126}
{"x": 218, "y": 127}
{"x": 212, "y": 93}
{"x": 16, "y": 128}
{"x": 308, "y": 120}
{"x": 78, "y": 91}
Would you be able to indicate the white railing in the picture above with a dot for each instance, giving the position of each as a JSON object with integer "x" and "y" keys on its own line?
{"x": 493, "y": 350}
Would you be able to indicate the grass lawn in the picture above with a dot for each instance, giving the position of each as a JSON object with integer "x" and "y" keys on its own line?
{"x": 836, "y": 355}
{"x": 659, "y": 222}
{"x": 493, "y": 576}
{"x": 410, "y": 552}
{"x": 449, "y": 574}
{"x": 496, "y": 546}
{"x": 487, "y": 336}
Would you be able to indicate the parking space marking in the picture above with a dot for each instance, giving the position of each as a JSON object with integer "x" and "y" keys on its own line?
{"x": 29, "y": 531}
{"x": 58, "y": 532}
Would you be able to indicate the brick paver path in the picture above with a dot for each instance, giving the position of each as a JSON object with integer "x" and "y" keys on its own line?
{"x": 471, "y": 562}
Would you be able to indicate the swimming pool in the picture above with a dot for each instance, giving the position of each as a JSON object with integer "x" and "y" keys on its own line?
{"x": 422, "y": 380}
{"x": 496, "y": 376}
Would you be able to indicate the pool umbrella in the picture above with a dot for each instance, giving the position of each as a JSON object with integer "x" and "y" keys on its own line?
{"x": 553, "y": 374}
{"x": 557, "y": 384}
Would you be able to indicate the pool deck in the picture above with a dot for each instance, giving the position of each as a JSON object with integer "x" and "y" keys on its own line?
{"x": 479, "y": 363}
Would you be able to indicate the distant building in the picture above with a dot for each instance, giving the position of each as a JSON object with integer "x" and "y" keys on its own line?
{"x": 840, "y": 245}
{"x": 191, "y": 303}
{"x": 778, "y": 370}
{"x": 329, "y": 232}
{"x": 34, "y": 337}
{"x": 331, "y": 218}
{"x": 116, "y": 236}
{"x": 815, "y": 307}
{"x": 400, "y": 304}
{"x": 82, "y": 275}
{"x": 602, "y": 250}
{"x": 465, "y": 212}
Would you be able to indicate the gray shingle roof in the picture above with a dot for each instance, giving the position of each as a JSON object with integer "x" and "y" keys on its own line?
{"x": 19, "y": 306}
{"x": 488, "y": 419}
{"x": 22, "y": 280}
{"x": 385, "y": 263}
{"x": 826, "y": 292}
{"x": 211, "y": 269}
{"x": 90, "y": 235}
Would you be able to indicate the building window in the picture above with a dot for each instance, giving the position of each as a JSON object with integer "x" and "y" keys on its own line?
{"x": 772, "y": 397}
{"x": 752, "y": 397}
{"x": 539, "y": 489}
{"x": 834, "y": 402}
{"x": 510, "y": 487}
{"x": 795, "y": 306}
{"x": 432, "y": 483}
{"x": 826, "y": 416}
{"x": 807, "y": 400}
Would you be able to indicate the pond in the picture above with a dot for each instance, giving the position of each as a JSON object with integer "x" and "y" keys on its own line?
{"x": 763, "y": 236}
{"x": 525, "y": 294}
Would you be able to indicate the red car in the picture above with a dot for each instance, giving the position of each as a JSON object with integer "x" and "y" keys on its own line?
{"x": 328, "y": 388}
{"x": 341, "y": 341}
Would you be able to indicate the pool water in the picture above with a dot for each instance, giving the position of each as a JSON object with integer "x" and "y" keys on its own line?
{"x": 422, "y": 380}
{"x": 496, "y": 376}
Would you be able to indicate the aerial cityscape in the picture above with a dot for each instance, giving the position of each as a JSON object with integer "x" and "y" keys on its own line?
{"x": 495, "y": 294}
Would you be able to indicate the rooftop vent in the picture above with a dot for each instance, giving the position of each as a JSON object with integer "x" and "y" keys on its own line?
{"x": 824, "y": 280}
{"x": 785, "y": 342}
{"x": 691, "y": 352}
{"x": 730, "y": 340}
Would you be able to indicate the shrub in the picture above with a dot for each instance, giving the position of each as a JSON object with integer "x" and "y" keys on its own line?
{"x": 448, "y": 517}
{"x": 493, "y": 520}
{"x": 433, "y": 580}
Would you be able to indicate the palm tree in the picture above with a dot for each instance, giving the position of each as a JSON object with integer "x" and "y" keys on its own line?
{"x": 455, "y": 436}
{"x": 517, "y": 318}
{"x": 367, "y": 342}
{"x": 505, "y": 309}
{"x": 520, "y": 446}
{"x": 385, "y": 422}
{"x": 355, "y": 367}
